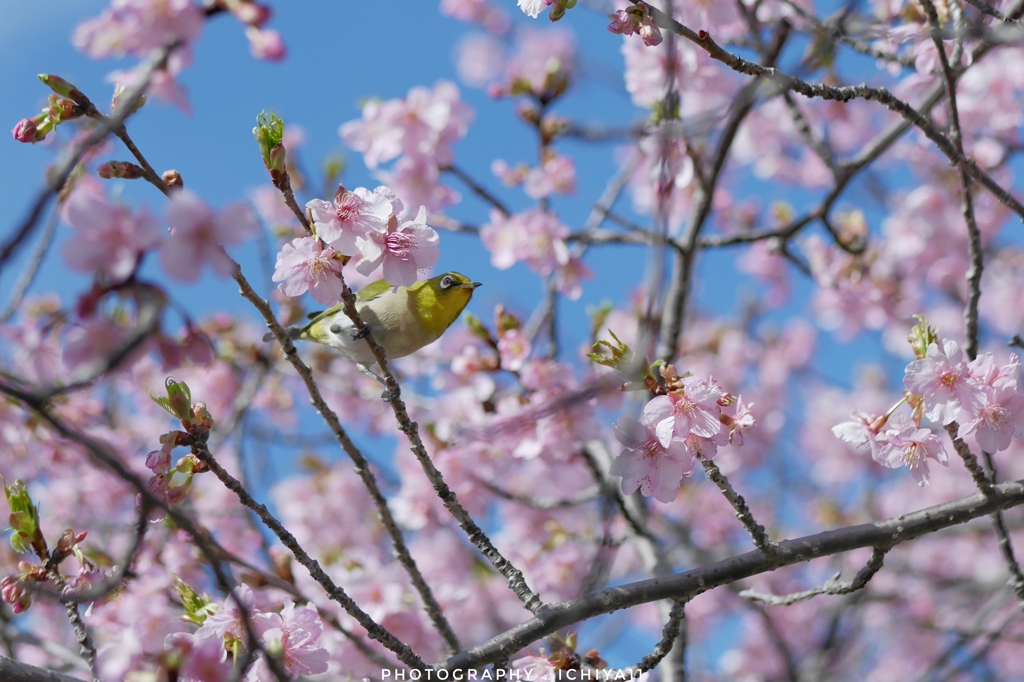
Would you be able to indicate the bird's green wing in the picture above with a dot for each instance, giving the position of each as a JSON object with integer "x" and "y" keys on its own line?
{"x": 373, "y": 290}
{"x": 320, "y": 314}
{"x": 366, "y": 293}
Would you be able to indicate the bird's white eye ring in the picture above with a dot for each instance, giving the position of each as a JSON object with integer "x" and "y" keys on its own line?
{"x": 447, "y": 282}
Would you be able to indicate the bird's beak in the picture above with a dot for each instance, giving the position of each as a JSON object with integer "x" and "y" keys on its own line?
{"x": 471, "y": 285}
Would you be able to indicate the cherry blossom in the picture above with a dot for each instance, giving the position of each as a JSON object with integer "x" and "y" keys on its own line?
{"x": 514, "y": 348}
{"x": 265, "y": 43}
{"x": 942, "y": 379}
{"x": 109, "y": 238}
{"x": 905, "y": 445}
{"x": 536, "y": 237}
{"x": 304, "y": 265}
{"x": 294, "y": 634}
{"x": 646, "y": 464}
{"x": 557, "y": 175}
{"x": 347, "y": 221}
{"x": 542, "y": 62}
{"x": 532, "y": 8}
{"x": 418, "y": 180}
{"x": 861, "y": 430}
{"x": 425, "y": 124}
{"x": 1000, "y": 418}
{"x": 401, "y": 250}
{"x": 479, "y": 58}
{"x": 198, "y": 235}
{"x": 692, "y": 410}
{"x": 481, "y": 12}
{"x": 139, "y": 26}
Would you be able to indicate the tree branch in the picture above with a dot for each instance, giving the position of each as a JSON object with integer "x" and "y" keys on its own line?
{"x": 684, "y": 586}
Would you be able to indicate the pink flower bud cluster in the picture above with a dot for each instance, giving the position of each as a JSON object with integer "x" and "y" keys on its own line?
{"x": 357, "y": 223}
{"x": 292, "y": 634}
{"x": 981, "y": 396}
{"x": 662, "y": 447}
{"x": 636, "y": 19}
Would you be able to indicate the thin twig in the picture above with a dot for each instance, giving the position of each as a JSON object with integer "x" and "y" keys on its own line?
{"x": 835, "y": 31}
{"x": 583, "y": 497}
{"x": 28, "y": 275}
{"x": 1005, "y": 544}
{"x": 118, "y": 577}
{"x": 15, "y": 671}
{"x": 672, "y": 634}
{"x": 150, "y": 303}
{"x": 974, "y": 250}
{"x": 393, "y": 395}
{"x": 674, "y": 308}
{"x": 970, "y": 461}
{"x": 756, "y": 530}
{"x": 478, "y": 189}
{"x": 831, "y": 586}
{"x": 985, "y": 9}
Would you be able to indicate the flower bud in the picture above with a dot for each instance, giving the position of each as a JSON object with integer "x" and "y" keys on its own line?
{"x": 921, "y": 336}
{"x": 172, "y": 178}
{"x": 119, "y": 93}
{"x": 13, "y": 592}
{"x": 23, "y": 519}
{"x": 269, "y": 133}
{"x": 33, "y": 129}
{"x": 178, "y": 401}
{"x": 125, "y": 170}
{"x": 61, "y": 87}
{"x": 60, "y": 110}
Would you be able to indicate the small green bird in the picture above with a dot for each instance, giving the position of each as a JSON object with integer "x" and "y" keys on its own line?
{"x": 402, "y": 320}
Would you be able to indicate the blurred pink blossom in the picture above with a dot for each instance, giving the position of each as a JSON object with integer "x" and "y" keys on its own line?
{"x": 265, "y": 43}
{"x": 557, "y": 175}
{"x": 543, "y": 61}
{"x": 108, "y": 238}
{"x": 426, "y": 123}
{"x": 138, "y": 27}
{"x": 418, "y": 180}
{"x": 481, "y": 12}
{"x": 198, "y": 235}
{"x": 514, "y": 348}
{"x": 479, "y": 58}
{"x": 534, "y": 236}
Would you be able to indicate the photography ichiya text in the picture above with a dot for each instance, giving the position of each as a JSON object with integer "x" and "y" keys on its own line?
{"x": 510, "y": 674}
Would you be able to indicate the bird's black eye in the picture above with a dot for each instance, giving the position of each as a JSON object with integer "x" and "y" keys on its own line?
{"x": 446, "y": 282}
